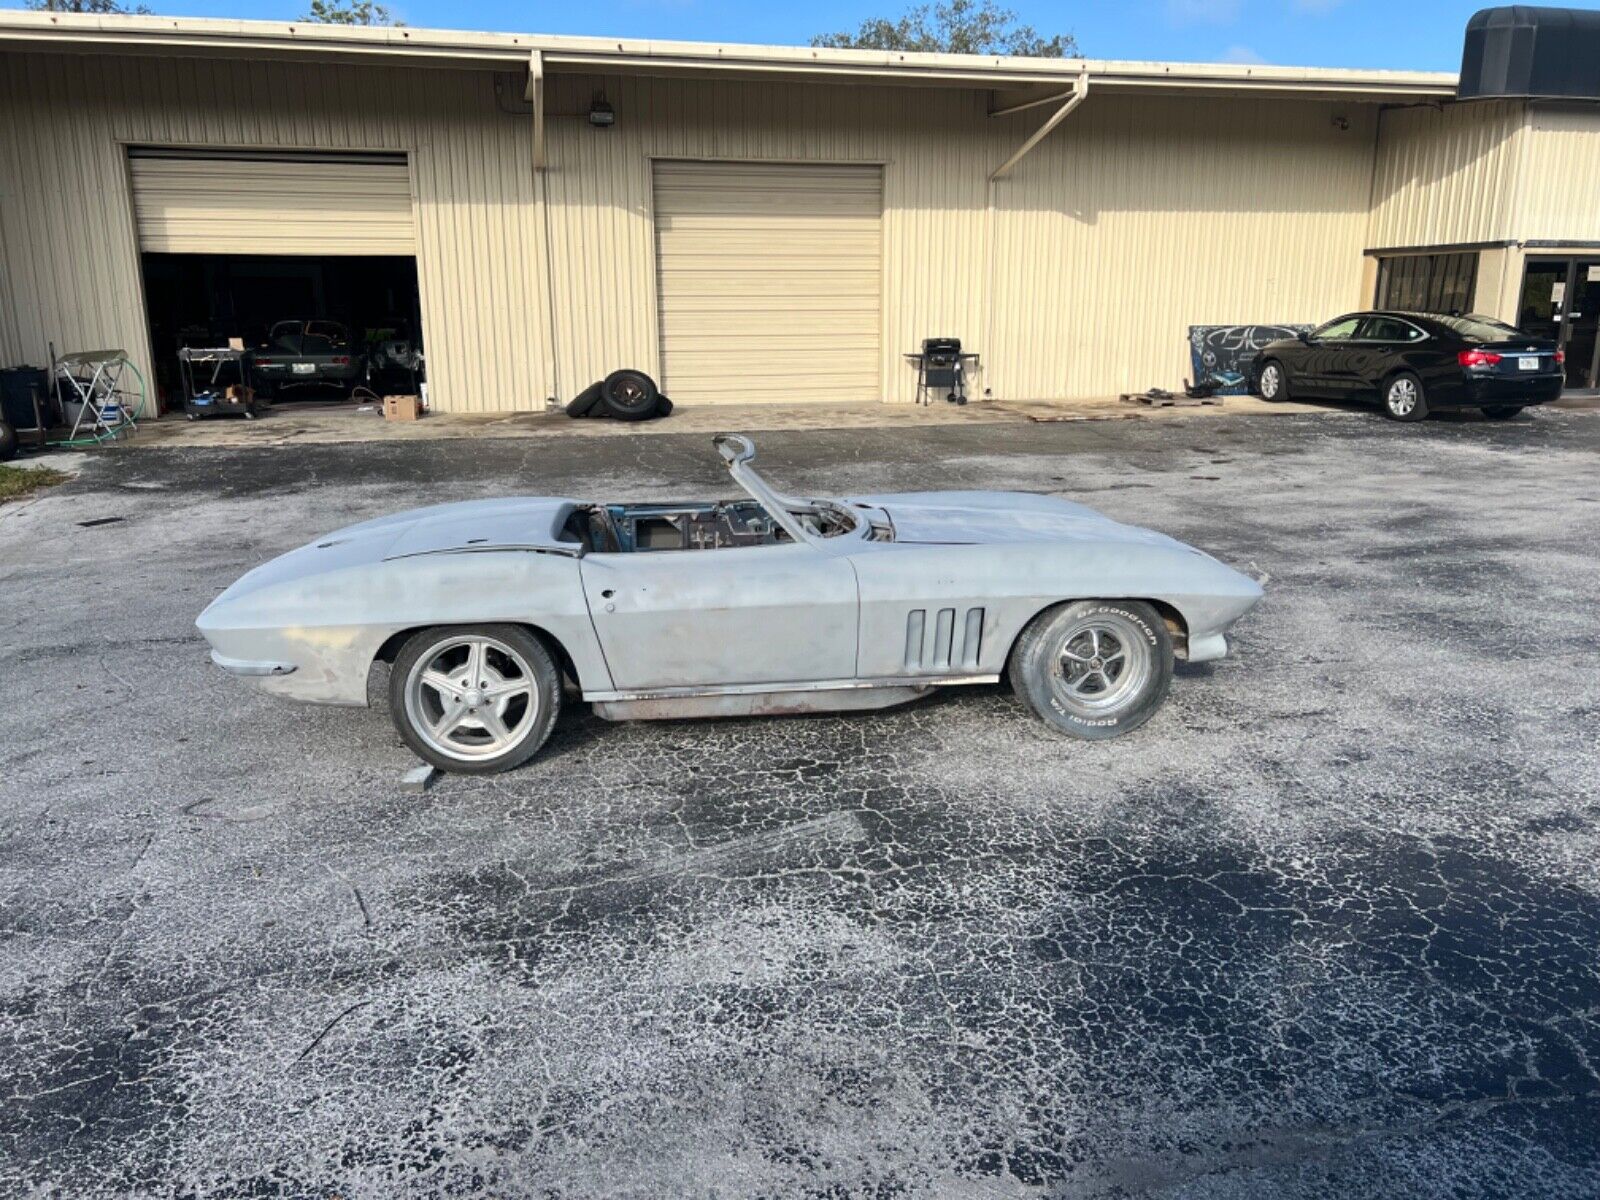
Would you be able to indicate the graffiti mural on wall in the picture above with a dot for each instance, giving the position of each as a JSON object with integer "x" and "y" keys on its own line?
{"x": 1223, "y": 356}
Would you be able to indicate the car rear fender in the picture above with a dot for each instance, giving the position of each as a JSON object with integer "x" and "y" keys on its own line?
{"x": 331, "y": 627}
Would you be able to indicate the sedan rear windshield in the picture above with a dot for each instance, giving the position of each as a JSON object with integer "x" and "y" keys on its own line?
{"x": 1479, "y": 329}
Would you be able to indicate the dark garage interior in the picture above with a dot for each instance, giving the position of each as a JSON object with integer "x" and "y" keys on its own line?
{"x": 205, "y": 299}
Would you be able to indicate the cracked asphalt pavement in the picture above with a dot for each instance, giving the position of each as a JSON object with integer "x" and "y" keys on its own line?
{"x": 1328, "y": 925}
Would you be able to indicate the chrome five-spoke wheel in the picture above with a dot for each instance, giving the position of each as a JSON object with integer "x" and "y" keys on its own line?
{"x": 1094, "y": 668}
{"x": 1100, "y": 665}
{"x": 474, "y": 700}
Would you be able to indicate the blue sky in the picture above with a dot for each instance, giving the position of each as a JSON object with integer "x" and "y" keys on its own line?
{"x": 1401, "y": 34}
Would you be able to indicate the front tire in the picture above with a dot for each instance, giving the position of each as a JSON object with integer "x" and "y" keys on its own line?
{"x": 1094, "y": 669}
{"x": 1272, "y": 383}
{"x": 475, "y": 700}
{"x": 1502, "y": 412}
{"x": 1404, "y": 399}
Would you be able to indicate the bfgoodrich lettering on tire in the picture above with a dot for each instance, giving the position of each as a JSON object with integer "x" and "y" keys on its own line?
{"x": 1094, "y": 668}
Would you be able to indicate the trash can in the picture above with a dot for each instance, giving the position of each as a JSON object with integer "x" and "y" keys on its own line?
{"x": 19, "y": 387}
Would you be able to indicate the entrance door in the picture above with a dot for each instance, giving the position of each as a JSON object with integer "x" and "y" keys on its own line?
{"x": 1561, "y": 301}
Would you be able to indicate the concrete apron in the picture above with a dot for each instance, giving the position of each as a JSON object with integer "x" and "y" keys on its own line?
{"x": 288, "y": 423}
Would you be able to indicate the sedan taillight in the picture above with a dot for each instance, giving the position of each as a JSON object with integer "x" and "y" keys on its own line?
{"x": 1477, "y": 358}
{"x": 1561, "y": 357}
{"x": 341, "y": 360}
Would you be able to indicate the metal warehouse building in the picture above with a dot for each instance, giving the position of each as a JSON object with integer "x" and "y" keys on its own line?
{"x": 755, "y": 223}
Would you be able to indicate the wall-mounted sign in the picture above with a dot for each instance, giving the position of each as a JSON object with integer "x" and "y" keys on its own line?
{"x": 1223, "y": 356}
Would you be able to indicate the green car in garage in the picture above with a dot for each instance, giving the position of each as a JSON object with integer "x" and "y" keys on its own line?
{"x": 309, "y": 354}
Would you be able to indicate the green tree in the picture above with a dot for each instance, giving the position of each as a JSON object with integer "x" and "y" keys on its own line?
{"x": 85, "y": 6}
{"x": 349, "y": 12}
{"x": 954, "y": 27}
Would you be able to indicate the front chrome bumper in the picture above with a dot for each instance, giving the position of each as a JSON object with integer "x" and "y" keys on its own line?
{"x": 249, "y": 667}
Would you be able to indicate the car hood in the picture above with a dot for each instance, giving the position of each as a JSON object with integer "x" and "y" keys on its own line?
{"x": 967, "y": 518}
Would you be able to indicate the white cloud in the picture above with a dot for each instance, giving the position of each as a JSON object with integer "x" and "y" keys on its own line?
{"x": 1202, "y": 12}
{"x": 1241, "y": 54}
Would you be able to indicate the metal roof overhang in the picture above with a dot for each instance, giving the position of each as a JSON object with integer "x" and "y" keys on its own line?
{"x": 1015, "y": 80}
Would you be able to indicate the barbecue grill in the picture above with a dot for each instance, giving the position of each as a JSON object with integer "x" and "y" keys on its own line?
{"x": 942, "y": 365}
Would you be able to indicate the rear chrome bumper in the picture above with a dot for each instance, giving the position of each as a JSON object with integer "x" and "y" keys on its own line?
{"x": 251, "y": 668}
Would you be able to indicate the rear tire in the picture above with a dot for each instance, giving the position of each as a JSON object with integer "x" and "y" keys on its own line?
{"x": 1273, "y": 382}
{"x": 8, "y": 442}
{"x": 629, "y": 395}
{"x": 1094, "y": 669}
{"x": 1502, "y": 412}
{"x": 1404, "y": 399}
{"x": 474, "y": 700}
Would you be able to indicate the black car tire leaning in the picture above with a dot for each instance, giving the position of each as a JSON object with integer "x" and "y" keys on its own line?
{"x": 1039, "y": 675}
{"x": 1393, "y": 398}
{"x": 8, "y": 442}
{"x": 663, "y": 407}
{"x": 1281, "y": 391}
{"x": 582, "y": 405}
{"x": 629, "y": 395}
{"x": 1501, "y": 412}
{"x": 546, "y": 680}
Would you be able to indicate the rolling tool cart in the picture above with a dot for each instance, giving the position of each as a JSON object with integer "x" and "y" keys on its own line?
{"x": 216, "y": 382}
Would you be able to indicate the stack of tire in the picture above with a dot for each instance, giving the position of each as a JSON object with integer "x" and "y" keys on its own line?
{"x": 625, "y": 395}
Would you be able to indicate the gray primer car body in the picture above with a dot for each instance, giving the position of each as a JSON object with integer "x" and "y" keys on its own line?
{"x": 924, "y": 590}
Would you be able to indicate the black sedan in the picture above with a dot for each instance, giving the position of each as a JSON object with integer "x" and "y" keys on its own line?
{"x": 1413, "y": 363}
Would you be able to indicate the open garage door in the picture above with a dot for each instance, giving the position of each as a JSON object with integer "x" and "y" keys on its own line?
{"x": 769, "y": 278}
{"x": 271, "y": 202}
{"x": 306, "y": 258}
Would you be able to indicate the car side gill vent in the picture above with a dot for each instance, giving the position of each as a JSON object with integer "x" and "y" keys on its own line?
{"x": 944, "y": 643}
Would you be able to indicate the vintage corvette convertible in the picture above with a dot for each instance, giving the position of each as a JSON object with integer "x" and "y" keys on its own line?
{"x": 767, "y": 605}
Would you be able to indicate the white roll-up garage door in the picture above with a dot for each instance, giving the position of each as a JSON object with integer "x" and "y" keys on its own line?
{"x": 270, "y": 202}
{"x": 769, "y": 279}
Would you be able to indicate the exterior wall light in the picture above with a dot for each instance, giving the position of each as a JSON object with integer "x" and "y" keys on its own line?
{"x": 601, "y": 114}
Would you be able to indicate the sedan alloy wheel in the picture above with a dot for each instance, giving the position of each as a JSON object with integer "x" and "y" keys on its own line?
{"x": 1403, "y": 398}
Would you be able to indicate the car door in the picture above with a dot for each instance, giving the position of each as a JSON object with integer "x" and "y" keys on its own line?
{"x": 784, "y": 613}
{"x": 1329, "y": 360}
{"x": 1378, "y": 348}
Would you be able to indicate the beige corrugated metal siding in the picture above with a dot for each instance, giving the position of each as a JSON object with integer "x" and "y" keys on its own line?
{"x": 770, "y": 278}
{"x": 1558, "y": 197}
{"x": 1076, "y": 277}
{"x": 71, "y": 258}
{"x": 300, "y": 205}
{"x": 1446, "y": 175}
{"x": 1139, "y": 218}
